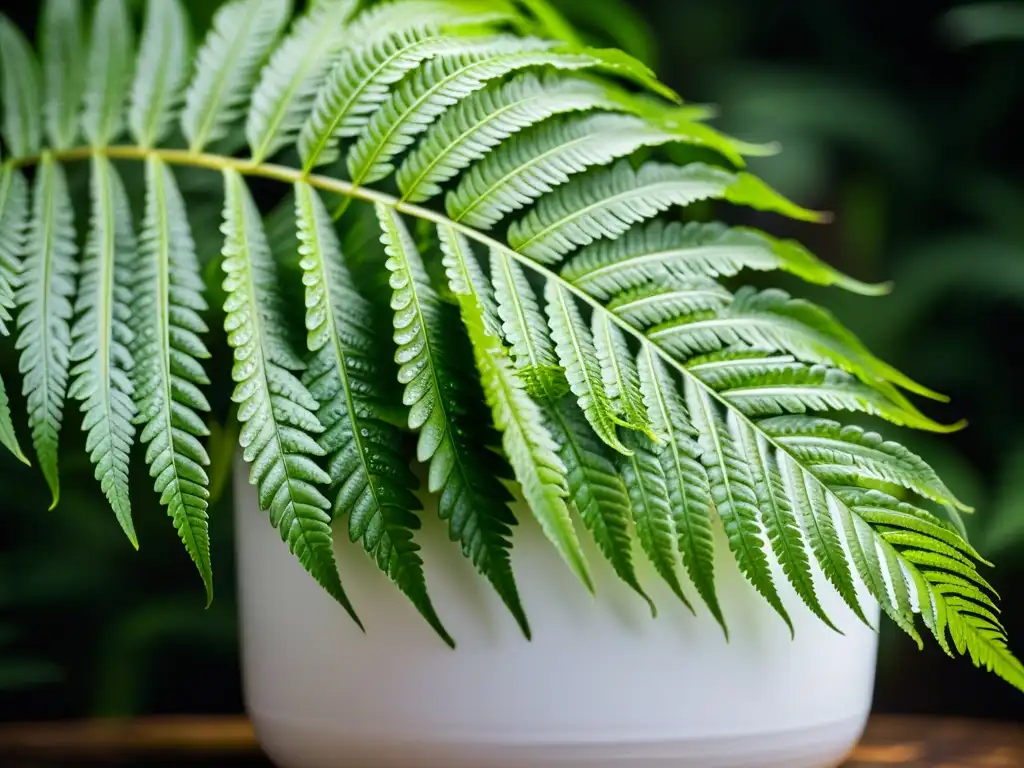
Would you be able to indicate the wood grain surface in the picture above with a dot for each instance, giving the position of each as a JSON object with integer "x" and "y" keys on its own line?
{"x": 889, "y": 741}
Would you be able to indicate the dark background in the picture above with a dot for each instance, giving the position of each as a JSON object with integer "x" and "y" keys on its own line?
{"x": 906, "y": 121}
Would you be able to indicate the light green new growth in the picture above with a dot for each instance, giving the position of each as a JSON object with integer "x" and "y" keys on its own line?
{"x": 550, "y": 325}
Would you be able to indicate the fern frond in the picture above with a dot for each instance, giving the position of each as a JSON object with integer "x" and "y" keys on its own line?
{"x": 528, "y": 444}
{"x": 576, "y": 350}
{"x": 62, "y": 46}
{"x": 651, "y": 508}
{"x": 734, "y": 493}
{"x": 526, "y": 329}
{"x": 361, "y": 81}
{"x": 620, "y": 376}
{"x": 654, "y": 303}
{"x": 8, "y": 438}
{"x": 427, "y": 370}
{"x": 597, "y": 492}
{"x": 776, "y": 385}
{"x": 109, "y": 69}
{"x": 44, "y": 340}
{"x": 227, "y": 65}
{"x": 475, "y": 126}
{"x": 779, "y": 518}
{"x": 292, "y": 78}
{"x": 831, "y": 450}
{"x": 13, "y": 222}
{"x": 101, "y": 337}
{"x": 607, "y": 203}
{"x": 274, "y": 408}
{"x": 467, "y": 472}
{"x": 168, "y": 350}
{"x": 520, "y": 172}
{"x": 434, "y": 87}
{"x": 19, "y": 88}
{"x": 660, "y": 251}
{"x": 161, "y": 72}
{"x": 687, "y": 481}
{"x": 772, "y": 320}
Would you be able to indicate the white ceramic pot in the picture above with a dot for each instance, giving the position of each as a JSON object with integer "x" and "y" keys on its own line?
{"x": 601, "y": 684}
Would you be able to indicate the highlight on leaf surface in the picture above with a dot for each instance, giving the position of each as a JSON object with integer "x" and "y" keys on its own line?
{"x": 556, "y": 325}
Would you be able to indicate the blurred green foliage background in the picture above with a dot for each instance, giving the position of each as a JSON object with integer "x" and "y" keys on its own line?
{"x": 906, "y": 123}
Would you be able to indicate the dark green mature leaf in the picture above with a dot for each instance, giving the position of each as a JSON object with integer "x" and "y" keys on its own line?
{"x": 168, "y": 350}
{"x": 45, "y": 300}
{"x": 277, "y": 413}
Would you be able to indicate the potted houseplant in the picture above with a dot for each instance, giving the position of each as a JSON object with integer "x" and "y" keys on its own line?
{"x": 536, "y": 346}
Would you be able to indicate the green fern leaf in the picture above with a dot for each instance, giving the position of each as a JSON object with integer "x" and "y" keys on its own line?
{"x": 654, "y": 303}
{"x": 819, "y": 527}
{"x": 772, "y": 320}
{"x": 528, "y": 444}
{"x": 429, "y": 90}
{"x": 620, "y": 376}
{"x": 689, "y": 489}
{"x": 779, "y": 518}
{"x": 466, "y": 472}
{"x": 227, "y": 65}
{"x": 109, "y": 72}
{"x": 8, "y": 438}
{"x": 520, "y": 172}
{"x": 13, "y": 219}
{"x": 526, "y": 329}
{"x": 168, "y": 348}
{"x": 651, "y": 508}
{"x": 475, "y": 126}
{"x": 161, "y": 72}
{"x": 289, "y": 83}
{"x": 661, "y": 251}
{"x": 607, "y": 203}
{"x": 596, "y": 491}
{"x": 361, "y": 82}
{"x": 772, "y": 386}
{"x": 64, "y": 56}
{"x": 578, "y": 355}
{"x": 432, "y": 392}
{"x": 860, "y": 540}
{"x": 13, "y": 222}
{"x": 829, "y": 449}
{"x": 101, "y": 337}
{"x": 734, "y": 493}
{"x": 274, "y": 408}
{"x": 19, "y": 89}
{"x": 442, "y": 82}
{"x": 44, "y": 339}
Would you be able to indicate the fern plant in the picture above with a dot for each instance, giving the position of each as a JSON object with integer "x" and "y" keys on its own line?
{"x": 558, "y": 319}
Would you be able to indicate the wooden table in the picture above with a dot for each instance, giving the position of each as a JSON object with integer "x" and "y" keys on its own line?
{"x": 907, "y": 742}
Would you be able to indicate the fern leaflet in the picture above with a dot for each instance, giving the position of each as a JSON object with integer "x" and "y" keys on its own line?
{"x": 101, "y": 338}
{"x": 63, "y": 50}
{"x": 168, "y": 348}
{"x": 274, "y": 408}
